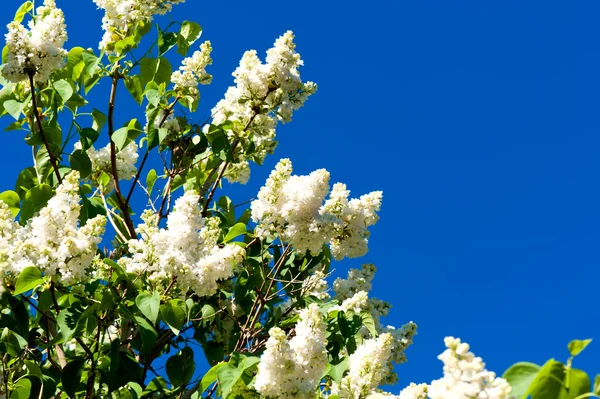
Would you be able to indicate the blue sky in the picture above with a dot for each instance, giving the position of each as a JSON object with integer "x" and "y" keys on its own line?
{"x": 478, "y": 119}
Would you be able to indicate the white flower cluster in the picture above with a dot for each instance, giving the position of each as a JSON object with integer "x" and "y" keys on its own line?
{"x": 38, "y": 50}
{"x": 292, "y": 206}
{"x": 293, "y": 369}
{"x": 367, "y": 368}
{"x": 465, "y": 376}
{"x": 316, "y": 285}
{"x": 352, "y": 293}
{"x": 264, "y": 95}
{"x": 192, "y": 72}
{"x": 52, "y": 240}
{"x": 121, "y": 16}
{"x": 126, "y": 160}
{"x": 414, "y": 391}
{"x": 187, "y": 249}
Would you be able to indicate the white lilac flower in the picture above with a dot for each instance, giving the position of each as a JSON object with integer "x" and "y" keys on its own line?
{"x": 52, "y": 240}
{"x": 367, "y": 367}
{"x": 352, "y": 293}
{"x": 351, "y": 236}
{"x": 414, "y": 391}
{"x": 465, "y": 376}
{"x": 264, "y": 95}
{"x": 292, "y": 206}
{"x": 192, "y": 72}
{"x": 293, "y": 369}
{"x": 187, "y": 249}
{"x": 122, "y": 16}
{"x": 316, "y": 285}
{"x": 126, "y": 160}
{"x": 38, "y": 50}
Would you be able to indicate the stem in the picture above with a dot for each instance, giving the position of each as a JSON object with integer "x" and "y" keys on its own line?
{"x": 139, "y": 172}
{"x": 113, "y": 157}
{"x": 41, "y": 129}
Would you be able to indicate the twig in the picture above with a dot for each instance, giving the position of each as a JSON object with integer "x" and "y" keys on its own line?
{"x": 113, "y": 156}
{"x": 41, "y": 129}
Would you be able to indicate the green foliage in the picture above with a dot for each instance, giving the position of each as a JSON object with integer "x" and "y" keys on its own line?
{"x": 553, "y": 380}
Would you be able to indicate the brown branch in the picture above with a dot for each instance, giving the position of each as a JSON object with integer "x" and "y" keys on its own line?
{"x": 41, "y": 129}
{"x": 139, "y": 172}
{"x": 113, "y": 157}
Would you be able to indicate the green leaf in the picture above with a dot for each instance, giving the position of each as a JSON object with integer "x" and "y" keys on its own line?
{"x": 337, "y": 370}
{"x": 13, "y": 342}
{"x": 228, "y": 376}
{"x": 174, "y": 313}
{"x": 88, "y": 137}
{"x": 23, "y": 9}
{"x": 80, "y": 161}
{"x": 35, "y": 199}
{"x": 13, "y": 201}
{"x": 135, "y": 88}
{"x": 99, "y": 120}
{"x": 120, "y": 137}
{"x": 188, "y": 34}
{"x": 14, "y": 108}
{"x": 180, "y": 367}
{"x": 71, "y": 376}
{"x": 550, "y": 382}
{"x": 153, "y": 97}
{"x": 166, "y": 40}
{"x": 149, "y": 305}
{"x": 210, "y": 377}
{"x": 597, "y": 385}
{"x": 64, "y": 89}
{"x": 520, "y": 376}
{"x": 236, "y": 230}
{"x": 150, "y": 180}
{"x": 28, "y": 279}
{"x": 34, "y": 369}
{"x": 22, "y": 389}
{"x": 148, "y": 334}
{"x": 577, "y": 346}
{"x": 125, "y": 45}
{"x": 26, "y": 180}
{"x": 369, "y": 322}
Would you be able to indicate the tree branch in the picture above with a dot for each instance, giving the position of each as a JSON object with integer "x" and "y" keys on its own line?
{"x": 41, "y": 129}
{"x": 113, "y": 157}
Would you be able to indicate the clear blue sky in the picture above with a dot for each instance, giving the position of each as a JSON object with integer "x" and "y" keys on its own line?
{"x": 478, "y": 119}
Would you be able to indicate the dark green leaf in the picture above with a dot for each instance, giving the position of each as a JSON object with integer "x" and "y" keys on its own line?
{"x": 88, "y": 137}
{"x": 166, "y": 40}
{"x": 80, "y": 161}
{"x": 71, "y": 376}
{"x": 174, "y": 314}
{"x": 35, "y": 199}
{"x": 180, "y": 367}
